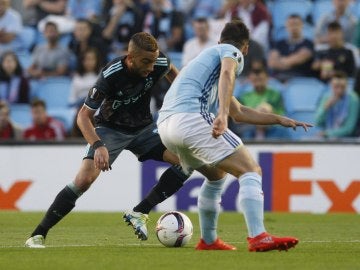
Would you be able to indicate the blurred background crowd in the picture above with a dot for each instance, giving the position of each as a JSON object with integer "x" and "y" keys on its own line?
{"x": 303, "y": 59}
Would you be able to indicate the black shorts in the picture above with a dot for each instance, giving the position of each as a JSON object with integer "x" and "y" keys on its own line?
{"x": 144, "y": 144}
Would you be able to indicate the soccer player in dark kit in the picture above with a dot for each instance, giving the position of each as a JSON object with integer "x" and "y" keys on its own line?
{"x": 122, "y": 94}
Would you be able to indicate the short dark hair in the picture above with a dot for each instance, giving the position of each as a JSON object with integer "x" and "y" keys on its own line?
{"x": 50, "y": 23}
{"x": 339, "y": 74}
{"x": 334, "y": 26}
{"x": 235, "y": 33}
{"x": 201, "y": 20}
{"x": 144, "y": 41}
{"x": 38, "y": 103}
{"x": 294, "y": 16}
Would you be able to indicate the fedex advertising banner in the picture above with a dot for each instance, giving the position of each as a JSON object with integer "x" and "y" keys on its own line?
{"x": 296, "y": 178}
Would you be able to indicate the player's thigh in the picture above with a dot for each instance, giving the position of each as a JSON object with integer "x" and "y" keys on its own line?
{"x": 86, "y": 175}
{"x": 212, "y": 173}
{"x": 147, "y": 144}
{"x": 171, "y": 157}
{"x": 239, "y": 162}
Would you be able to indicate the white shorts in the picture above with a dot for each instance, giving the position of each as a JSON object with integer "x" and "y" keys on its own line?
{"x": 188, "y": 135}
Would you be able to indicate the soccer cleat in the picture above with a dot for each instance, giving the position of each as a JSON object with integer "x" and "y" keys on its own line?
{"x": 266, "y": 242}
{"x": 138, "y": 221}
{"x": 36, "y": 241}
{"x": 217, "y": 245}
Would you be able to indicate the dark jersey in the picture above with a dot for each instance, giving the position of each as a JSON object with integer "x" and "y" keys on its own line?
{"x": 124, "y": 99}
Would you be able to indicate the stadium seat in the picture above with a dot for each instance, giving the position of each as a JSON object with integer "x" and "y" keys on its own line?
{"x": 302, "y": 94}
{"x": 64, "y": 115}
{"x": 28, "y": 37}
{"x": 24, "y": 59}
{"x": 176, "y": 59}
{"x": 281, "y": 9}
{"x": 54, "y": 91}
{"x": 321, "y": 7}
{"x": 21, "y": 114}
{"x": 300, "y": 133}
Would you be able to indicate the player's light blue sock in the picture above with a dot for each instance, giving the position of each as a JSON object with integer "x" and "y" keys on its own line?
{"x": 209, "y": 208}
{"x": 251, "y": 199}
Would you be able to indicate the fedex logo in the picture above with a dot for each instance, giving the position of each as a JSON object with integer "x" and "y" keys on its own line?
{"x": 9, "y": 197}
{"x": 278, "y": 185}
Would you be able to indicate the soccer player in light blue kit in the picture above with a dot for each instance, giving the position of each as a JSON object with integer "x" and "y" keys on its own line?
{"x": 188, "y": 127}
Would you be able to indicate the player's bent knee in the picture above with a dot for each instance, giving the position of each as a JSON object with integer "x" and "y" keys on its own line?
{"x": 83, "y": 182}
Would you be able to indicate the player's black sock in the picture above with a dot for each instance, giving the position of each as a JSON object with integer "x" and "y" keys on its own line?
{"x": 170, "y": 182}
{"x": 62, "y": 205}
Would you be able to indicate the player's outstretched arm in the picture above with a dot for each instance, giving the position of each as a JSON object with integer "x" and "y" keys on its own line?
{"x": 244, "y": 114}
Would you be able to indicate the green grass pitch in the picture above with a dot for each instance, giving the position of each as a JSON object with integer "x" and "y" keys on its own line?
{"x": 103, "y": 241}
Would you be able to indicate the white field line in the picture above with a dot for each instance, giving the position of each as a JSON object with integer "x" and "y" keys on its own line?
{"x": 158, "y": 245}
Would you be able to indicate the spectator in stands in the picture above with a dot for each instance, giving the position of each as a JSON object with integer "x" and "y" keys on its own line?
{"x": 201, "y": 41}
{"x": 124, "y": 20}
{"x": 255, "y": 54}
{"x": 14, "y": 86}
{"x": 10, "y": 27}
{"x": 166, "y": 25}
{"x": 339, "y": 109}
{"x": 8, "y": 129}
{"x": 44, "y": 127}
{"x": 85, "y": 76}
{"x": 336, "y": 56}
{"x": 292, "y": 56}
{"x": 340, "y": 14}
{"x": 254, "y": 14}
{"x": 39, "y": 9}
{"x": 50, "y": 59}
{"x": 84, "y": 38}
{"x": 264, "y": 99}
{"x": 84, "y": 9}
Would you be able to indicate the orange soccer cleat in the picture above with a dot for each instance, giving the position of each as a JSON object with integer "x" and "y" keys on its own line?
{"x": 217, "y": 245}
{"x": 266, "y": 242}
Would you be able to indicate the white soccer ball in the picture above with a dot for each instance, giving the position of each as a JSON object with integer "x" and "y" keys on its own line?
{"x": 174, "y": 229}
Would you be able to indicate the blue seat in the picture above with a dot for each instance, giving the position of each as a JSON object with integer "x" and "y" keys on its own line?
{"x": 176, "y": 59}
{"x": 24, "y": 59}
{"x": 54, "y": 91}
{"x": 21, "y": 114}
{"x": 300, "y": 133}
{"x": 303, "y": 94}
{"x": 28, "y": 37}
{"x": 320, "y": 8}
{"x": 281, "y": 9}
{"x": 64, "y": 115}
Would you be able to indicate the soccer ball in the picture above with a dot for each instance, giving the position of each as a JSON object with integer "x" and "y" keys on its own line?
{"x": 174, "y": 229}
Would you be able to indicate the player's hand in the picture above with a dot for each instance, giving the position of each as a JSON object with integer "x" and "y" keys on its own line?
{"x": 101, "y": 159}
{"x": 288, "y": 122}
{"x": 220, "y": 125}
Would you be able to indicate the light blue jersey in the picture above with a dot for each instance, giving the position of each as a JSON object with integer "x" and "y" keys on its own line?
{"x": 195, "y": 89}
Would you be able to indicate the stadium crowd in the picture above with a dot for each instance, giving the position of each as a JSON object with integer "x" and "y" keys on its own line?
{"x": 303, "y": 59}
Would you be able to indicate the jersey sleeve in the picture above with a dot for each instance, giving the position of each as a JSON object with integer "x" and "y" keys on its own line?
{"x": 96, "y": 94}
{"x": 229, "y": 51}
{"x": 163, "y": 64}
